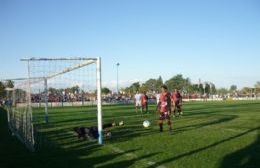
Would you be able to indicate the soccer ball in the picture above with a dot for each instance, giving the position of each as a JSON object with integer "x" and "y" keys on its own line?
{"x": 121, "y": 123}
{"x": 146, "y": 123}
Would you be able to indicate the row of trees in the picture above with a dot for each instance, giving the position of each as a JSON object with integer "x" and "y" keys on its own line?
{"x": 186, "y": 87}
{"x": 176, "y": 82}
{"x": 153, "y": 85}
{"x": 149, "y": 85}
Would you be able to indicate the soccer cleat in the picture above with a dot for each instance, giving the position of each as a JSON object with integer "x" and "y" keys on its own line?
{"x": 161, "y": 129}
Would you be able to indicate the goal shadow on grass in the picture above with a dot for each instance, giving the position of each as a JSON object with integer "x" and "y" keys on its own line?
{"x": 246, "y": 157}
{"x": 83, "y": 157}
{"x": 80, "y": 153}
{"x": 232, "y": 158}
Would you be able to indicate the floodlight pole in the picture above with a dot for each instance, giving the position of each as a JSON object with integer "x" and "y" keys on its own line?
{"x": 99, "y": 101}
{"x": 117, "y": 65}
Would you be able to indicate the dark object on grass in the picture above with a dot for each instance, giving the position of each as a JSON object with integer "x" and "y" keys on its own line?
{"x": 92, "y": 132}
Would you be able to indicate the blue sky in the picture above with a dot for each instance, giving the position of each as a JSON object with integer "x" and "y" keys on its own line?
{"x": 217, "y": 40}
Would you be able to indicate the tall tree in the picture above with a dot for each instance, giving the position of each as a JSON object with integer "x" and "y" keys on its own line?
{"x": 150, "y": 85}
{"x": 143, "y": 88}
{"x": 105, "y": 91}
{"x": 207, "y": 88}
{"x": 201, "y": 89}
{"x": 9, "y": 84}
{"x": 194, "y": 88}
{"x": 136, "y": 86}
{"x": 75, "y": 89}
{"x": 213, "y": 88}
{"x": 132, "y": 88}
{"x": 233, "y": 88}
{"x": 176, "y": 82}
{"x": 159, "y": 83}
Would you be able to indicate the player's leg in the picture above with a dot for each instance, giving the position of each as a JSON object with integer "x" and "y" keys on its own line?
{"x": 179, "y": 109}
{"x": 141, "y": 108}
{"x": 174, "y": 108}
{"x": 136, "y": 107}
{"x": 160, "y": 122}
{"x": 168, "y": 120}
{"x": 146, "y": 106}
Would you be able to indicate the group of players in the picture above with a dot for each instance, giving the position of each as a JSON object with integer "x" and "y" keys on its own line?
{"x": 166, "y": 103}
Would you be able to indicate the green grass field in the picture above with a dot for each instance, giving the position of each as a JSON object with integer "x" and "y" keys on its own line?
{"x": 210, "y": 134}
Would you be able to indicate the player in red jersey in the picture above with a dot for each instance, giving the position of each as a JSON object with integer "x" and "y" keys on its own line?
{"x": 144, "y": 100}
{"x": 176, "y": 102}
{"x": 164, "y": 108}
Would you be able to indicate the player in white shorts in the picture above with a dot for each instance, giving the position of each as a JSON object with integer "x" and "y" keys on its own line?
{"x": 138, "y": 102}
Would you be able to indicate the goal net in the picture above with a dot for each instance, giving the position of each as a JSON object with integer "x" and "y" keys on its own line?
{"x": 53, "y": 83}
{"x": 19, "y": 111}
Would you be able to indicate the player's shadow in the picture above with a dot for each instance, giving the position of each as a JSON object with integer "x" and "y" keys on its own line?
{"x": 252, "y": 151}
{"x": 246, "y": 157}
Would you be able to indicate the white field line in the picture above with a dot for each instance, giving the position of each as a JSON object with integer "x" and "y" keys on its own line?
{"x": 133, "y": 156}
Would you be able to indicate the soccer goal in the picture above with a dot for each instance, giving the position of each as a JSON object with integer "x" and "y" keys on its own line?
{"x": 54, "y": 83}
